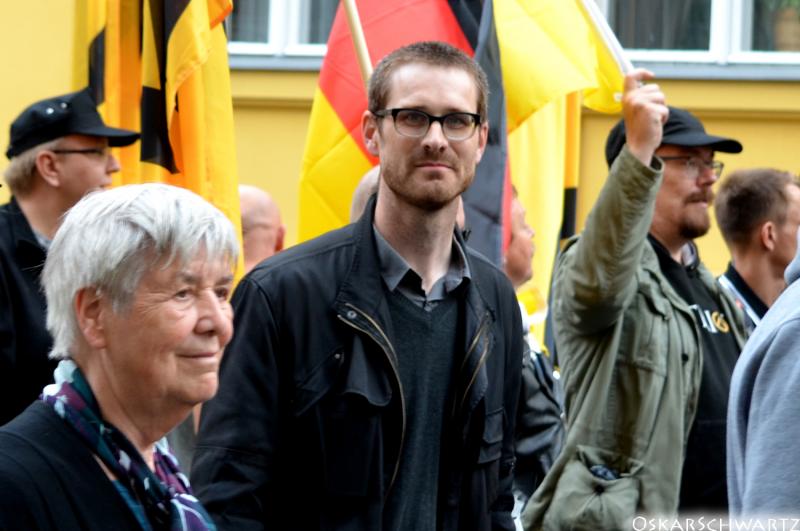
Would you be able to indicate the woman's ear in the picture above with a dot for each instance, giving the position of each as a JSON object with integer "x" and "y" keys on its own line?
{"x": 89, "y": 313}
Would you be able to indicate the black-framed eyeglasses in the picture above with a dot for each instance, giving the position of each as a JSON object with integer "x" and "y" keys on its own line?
{"x": 415, "y": 123}
{"x": 98, "y": 152}
{"x": 694, "y": 164}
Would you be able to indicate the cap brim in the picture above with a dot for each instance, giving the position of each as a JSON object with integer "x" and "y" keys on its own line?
{"x": 717, "y": 143}
{"x": 116, "y": 137}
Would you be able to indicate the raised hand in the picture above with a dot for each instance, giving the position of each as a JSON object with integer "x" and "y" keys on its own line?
{"x": 645, "y": 111}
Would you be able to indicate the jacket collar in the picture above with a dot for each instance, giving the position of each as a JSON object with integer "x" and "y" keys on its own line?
{"x": 27, "y": 248}
{"x": 363, "y": 286}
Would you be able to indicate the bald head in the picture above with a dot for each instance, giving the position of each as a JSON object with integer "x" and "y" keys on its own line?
{"x": 367, "y": 186}
{"x": 262, "y": 231}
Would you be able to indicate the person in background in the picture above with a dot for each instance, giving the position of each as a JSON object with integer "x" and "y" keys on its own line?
{"x": 58, "y": 151}
{"x": 262, "y": 230}
{"x": 518, "y": 260}
{"x": 758, "y": 213}
{"x": 373, "y": 379}
{"x": 137, "y": 282}
{"x": 366, "y": 188}
{"x": 540, "y": 426}
{"x": 647, "y": 339}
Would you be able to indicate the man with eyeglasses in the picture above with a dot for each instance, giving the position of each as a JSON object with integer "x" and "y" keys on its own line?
{"x": 373, "y": 378}
{"x": 58, "y": 151}
{"x": 647, "y": 340}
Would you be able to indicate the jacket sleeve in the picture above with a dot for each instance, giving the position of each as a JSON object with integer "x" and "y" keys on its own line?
{"x": 9, "y": 407}
{"x": 763, "y": 428}
{"x": 233, "y": 471}
{"x": 20, "y": 505}
{"x": 502, "y": 507}
{"x": 540, "y": 430}
{"x": 596, "y": 275}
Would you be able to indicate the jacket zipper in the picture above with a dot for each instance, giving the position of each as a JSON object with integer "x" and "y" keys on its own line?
{"x": 481, "y": 331}
{"x": 388, "y": 350}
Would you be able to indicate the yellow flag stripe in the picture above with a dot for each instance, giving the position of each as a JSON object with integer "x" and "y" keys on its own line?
{"x": 197, "y": 107}
{"x": 332, "y": 166}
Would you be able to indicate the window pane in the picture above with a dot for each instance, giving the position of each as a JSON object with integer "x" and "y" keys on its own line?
{"x": 662, "y": 24}
{"x": 249, "y": 21}
{"x": 776, "y": 25}
{"x": 316, "y": 19}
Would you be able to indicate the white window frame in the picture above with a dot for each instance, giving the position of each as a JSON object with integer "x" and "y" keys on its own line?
{"x": 725, "y": 58}
{"x": 729, "y": 31}
{"x": 285, "y": 17}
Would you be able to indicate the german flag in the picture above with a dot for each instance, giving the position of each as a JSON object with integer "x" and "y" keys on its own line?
{"x": 535, "y": 53}
{"x": 335, "y": 156}
{"x": 161, "y": 67}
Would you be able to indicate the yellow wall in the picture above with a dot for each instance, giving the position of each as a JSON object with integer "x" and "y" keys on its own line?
{"x": 271, "y": 113}
{"x": 36, "y": 59}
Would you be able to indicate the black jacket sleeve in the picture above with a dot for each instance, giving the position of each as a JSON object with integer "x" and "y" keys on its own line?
{"x": 233, "y": 471}
{"x": 502, "y": 507}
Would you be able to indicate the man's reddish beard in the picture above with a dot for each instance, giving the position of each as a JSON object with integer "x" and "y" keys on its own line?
{"x": 689, "y": 230}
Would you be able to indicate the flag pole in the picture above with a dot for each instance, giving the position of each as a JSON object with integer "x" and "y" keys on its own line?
{"x": 359, "y": 42}
{"x": 591, "y": 9}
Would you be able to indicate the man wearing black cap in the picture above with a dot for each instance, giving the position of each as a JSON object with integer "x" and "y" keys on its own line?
{"x": 646, "y": 338}
{"x": 58, "y": 151}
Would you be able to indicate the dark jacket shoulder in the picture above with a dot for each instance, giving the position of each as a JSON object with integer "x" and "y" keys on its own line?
{"x": 50, "y": 480}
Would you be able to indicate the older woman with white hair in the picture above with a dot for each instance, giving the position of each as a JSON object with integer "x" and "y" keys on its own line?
{"x": 137, "y": 282}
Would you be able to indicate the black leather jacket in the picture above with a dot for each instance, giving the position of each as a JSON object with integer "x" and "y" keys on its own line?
{"x": 24, "y": 341}
{"x": 308, "y": 425}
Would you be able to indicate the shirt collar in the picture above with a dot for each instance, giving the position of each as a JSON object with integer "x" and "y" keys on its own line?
{"x": 394, "y": 268}
{"x": 745, "y": 291}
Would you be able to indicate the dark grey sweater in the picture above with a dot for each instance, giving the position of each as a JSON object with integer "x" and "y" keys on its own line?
{"x": 425, "y": 342}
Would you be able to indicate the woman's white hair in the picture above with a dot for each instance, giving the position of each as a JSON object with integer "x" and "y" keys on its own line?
{"x": 109, "y": 240}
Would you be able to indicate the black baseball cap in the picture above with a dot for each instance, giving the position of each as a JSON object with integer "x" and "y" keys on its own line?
{"x": 71, "y": 114}
{"x": 682, "y": 129}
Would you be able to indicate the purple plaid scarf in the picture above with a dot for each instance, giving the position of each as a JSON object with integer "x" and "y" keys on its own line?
{"x": 165, "y": 495}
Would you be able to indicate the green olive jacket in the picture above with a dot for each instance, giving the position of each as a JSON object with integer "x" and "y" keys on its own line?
{"x": 631, "y": 361}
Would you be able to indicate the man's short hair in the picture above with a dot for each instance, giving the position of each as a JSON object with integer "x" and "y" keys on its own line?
{"x": 748, "y": 198}
{"x": 432, "y": 53}
{"x": 20, "y": 174}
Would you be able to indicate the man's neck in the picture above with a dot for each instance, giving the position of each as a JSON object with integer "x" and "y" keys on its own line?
{"x": 760, "y": 275}
{"x": 43, "y": 212}
{"x": 423, "y": 238}
{"x": 673, "y": 245}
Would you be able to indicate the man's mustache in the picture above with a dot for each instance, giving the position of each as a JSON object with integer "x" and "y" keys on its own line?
{"x": 706, "y": 196}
